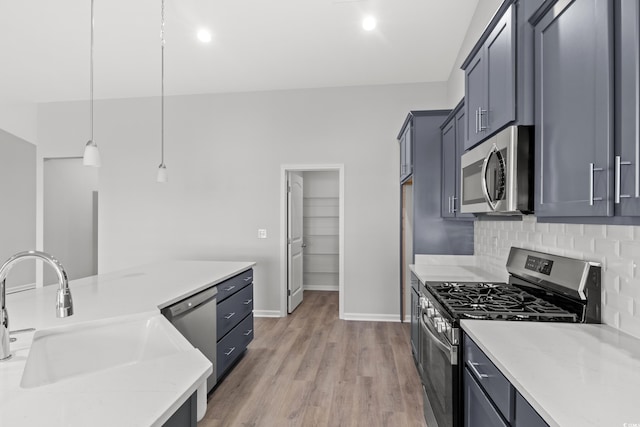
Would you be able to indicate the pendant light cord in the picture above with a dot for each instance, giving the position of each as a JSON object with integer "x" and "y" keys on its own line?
{"x": 162, "y": 87}
{"x": 91, "y": 78}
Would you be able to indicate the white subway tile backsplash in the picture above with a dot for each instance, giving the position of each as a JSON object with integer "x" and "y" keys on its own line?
{"x": 574, "y": 229}
{"x": 616, "y": 247}
{"x": 619, "y": 232}
{"x": 607, "y": 247}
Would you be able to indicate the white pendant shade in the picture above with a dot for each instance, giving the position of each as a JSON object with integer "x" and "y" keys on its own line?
{"x": 91, "y": 155}
{"x": 162, "y": 174}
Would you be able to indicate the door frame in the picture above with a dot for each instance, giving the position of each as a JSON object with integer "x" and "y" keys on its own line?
{"x": 284, "y": 169}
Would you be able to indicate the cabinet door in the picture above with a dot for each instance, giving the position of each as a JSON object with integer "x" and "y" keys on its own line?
{"x": 500, "y": 59}
{"x": 406, "y": 153}
{"x": 478, "y": 409}
{"x": 627, "y": 160}
{"x": 461, "y": 122}
{"x": 574, "y": 88}
{"x": 448, "y": 169}
{"x": 526, "y": 416}
{"x": 415, "y": 324}
{"x": 474, "y": 85}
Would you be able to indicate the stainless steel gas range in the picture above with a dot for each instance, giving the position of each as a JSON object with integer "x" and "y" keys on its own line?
{"x": 542, "y": 287}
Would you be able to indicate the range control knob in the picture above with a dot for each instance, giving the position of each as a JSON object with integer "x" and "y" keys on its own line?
{"x": 431, "y": 312}
{"x": 440, "y": 326}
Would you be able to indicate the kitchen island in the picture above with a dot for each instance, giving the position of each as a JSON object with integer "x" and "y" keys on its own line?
{"x": 136, "y": 394}
{"x": 573, "y": 375}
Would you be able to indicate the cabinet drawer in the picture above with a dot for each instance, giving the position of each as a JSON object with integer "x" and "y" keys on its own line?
{"x": 234, "y": 284}
{"x": 232, "y": 310}
{"x": 497, "y": 387}
{"x": 478, "y": 410}
{"x": 233, "y": 344}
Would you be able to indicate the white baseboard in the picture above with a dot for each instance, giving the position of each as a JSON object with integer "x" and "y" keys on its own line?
{"x": 407, "y": 318}
{"x": 372, "y": 317}
{"x": 321, "y": 288}
{"x": 266, "y": 313}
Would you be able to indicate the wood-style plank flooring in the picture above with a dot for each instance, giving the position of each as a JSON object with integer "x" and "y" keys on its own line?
{"x": 312, "y": 369}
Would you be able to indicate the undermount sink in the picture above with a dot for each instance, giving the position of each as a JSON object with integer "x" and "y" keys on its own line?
{"x": 67, "y": 352}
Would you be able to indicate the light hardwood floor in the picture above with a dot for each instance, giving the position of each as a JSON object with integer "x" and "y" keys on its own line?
{"x": 312, "y": 369}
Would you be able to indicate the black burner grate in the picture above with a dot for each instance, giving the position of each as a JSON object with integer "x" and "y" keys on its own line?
{"x": 498, "y": 301}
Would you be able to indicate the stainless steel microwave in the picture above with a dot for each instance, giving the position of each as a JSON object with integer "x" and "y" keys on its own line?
{"x": 497, "y": 175}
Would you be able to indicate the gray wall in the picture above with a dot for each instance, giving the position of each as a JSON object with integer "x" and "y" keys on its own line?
{"x": 18, "y": 213}
{"x": 224, "y": 154}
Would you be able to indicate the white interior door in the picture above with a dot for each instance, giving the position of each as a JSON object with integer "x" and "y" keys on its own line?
{"x": 294, "y": 240}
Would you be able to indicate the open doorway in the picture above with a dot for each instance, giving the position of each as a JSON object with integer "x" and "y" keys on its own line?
{"x": 312, "y": 256}
{"x": 70, "y": 217}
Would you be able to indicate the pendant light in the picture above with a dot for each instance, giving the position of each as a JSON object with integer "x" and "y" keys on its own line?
{"x": 91, "y": 154}
{"x": 162, "y": 169}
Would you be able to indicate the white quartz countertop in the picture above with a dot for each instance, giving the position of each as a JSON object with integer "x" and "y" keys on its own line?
{"x": 140, "y": 394}
{"x": 572, "y": 375}
{"x": 455, "y": 268}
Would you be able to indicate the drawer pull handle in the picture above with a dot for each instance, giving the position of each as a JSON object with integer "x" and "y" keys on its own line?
{"x": 246, "y": 279}
{"x": 229, "y": 288}
{"x": 247, "y": 302}
{"x": 231, "y": 350}
{"x": 229, "y": 316}
{"x": 246, "y": 334}
{"x": 473, "y": 367}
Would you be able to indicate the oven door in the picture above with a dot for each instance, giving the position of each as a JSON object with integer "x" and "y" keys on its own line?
{"x": 439, "y": 362}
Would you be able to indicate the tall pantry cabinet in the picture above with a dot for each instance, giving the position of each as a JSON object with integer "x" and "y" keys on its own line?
{"x": 422, "y": 229}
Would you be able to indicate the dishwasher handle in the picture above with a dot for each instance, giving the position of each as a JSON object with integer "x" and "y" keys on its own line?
{"x": 190, "y": 303}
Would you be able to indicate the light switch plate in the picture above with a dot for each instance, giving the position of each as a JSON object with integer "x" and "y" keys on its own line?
{"x": 262, "y": 233}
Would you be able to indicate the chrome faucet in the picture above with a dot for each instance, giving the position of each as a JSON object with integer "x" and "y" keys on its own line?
{"x": 64, "y": 304}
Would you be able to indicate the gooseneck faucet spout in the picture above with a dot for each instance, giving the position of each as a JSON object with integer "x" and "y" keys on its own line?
{"x": 64, "y": 304}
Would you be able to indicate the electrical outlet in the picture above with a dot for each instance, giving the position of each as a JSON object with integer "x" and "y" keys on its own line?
{"x": 262, "y": 233}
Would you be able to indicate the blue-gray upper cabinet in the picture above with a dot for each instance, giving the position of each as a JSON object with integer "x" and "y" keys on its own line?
{"x": 405, "y": 138}
{"x": 490, "y": 82}
{"x": 627, "y": 111}
{"x": 574, "y": 108}
{"x": 499, "y": 73}
{"x": 453, "y": 139}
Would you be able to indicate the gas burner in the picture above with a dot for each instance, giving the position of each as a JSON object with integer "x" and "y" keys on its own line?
{"x": 501, "y": 301}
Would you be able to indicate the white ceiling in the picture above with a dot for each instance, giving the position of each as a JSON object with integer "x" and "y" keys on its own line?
{"x": 257, "y": 45}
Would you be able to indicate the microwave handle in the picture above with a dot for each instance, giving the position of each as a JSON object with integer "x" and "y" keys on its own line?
{"x": 485, "y": 190}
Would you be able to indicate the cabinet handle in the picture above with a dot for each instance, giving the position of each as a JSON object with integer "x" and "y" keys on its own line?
{"x": 229, "y": 316}
{"x": 453, "y": 204}
{"x": 449, "y": 204}
{"x": 231, "y": 350}
{"x": 229, "y": 288}
{"x": 477, "y": 373}
{"x": 246, "y": 279}
{"x": 618, "y": 183}
{"x": 481, "y": 113}
{"x": 477, "y": 111}
{"x": 246, "y": 334}
{"x": 247, "y": 302}
{"x": 592, "y": 170}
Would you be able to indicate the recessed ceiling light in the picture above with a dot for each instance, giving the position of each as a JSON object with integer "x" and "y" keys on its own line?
{"x": 369, "y": 23}
{"x": 204, "y": 36}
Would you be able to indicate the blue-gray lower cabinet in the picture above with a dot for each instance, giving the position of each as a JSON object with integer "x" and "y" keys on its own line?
{"x": 574, "y": 108}
{"x": 526, "y": 416}
{"x": 489, "y": 399}
{"x": 478, "y": 409}
{"x": 234, "y": 325}
{"x": 186, "y": 415}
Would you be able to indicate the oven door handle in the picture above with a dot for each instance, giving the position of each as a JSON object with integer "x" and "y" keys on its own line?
{"x": 445, "y": 348}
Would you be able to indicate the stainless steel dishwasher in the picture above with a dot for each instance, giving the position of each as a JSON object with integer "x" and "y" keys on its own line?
{"x": 195, "y": 318}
